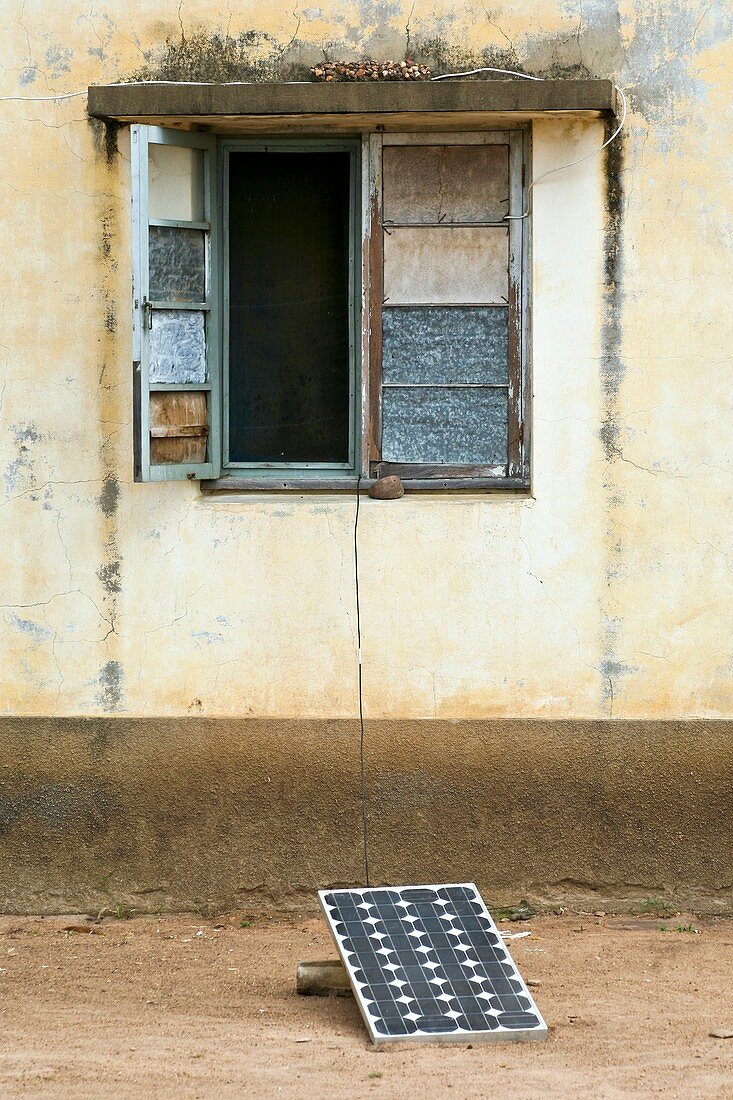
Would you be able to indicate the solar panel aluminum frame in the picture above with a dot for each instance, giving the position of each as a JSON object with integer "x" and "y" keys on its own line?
{"x": 498, "y": 1034}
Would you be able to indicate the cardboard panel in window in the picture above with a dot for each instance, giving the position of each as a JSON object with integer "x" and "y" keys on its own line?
{"x": 445, "y": 183}
{"x": 445, "y": 266}
{"x": 175, "y": 183}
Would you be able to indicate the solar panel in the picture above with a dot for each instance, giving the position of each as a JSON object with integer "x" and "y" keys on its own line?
{"x": 428, "y": 963}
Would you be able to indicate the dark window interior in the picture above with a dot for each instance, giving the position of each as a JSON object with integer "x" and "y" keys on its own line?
{"x": 289, "y": 307}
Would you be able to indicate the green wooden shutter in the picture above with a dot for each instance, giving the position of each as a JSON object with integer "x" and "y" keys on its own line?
{"x": 176, "y": 316}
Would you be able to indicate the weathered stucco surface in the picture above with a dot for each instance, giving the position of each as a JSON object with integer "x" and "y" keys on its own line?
{"x": 182, "y": 812}
{"x": 605, "y": 595}
{"x": 150, "y": 609}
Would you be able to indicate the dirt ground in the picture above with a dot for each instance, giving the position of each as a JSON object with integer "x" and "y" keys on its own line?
{"x": 191, "y": 1007}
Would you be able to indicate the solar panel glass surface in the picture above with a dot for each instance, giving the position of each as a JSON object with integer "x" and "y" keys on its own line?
{"x": 427, "y": 962}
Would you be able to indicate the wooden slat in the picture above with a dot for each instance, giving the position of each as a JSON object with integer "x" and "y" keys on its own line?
{"x": 376, "y": 295}
{"x": 407, "y": 470}
{"x": 514, "y": 410}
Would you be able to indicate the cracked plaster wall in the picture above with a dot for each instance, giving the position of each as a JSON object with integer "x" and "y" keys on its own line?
{"x": 607, "y": 595}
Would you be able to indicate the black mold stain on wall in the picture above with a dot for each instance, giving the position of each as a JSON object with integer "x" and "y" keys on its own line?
{"x": 109, "y": 575}
{"x": 111, "y": 678}
{"x": 257, "y": 57}
{"x": 612, "y": 365}
{"x": 105, "y": 135}
{"x": 613, "y": 370}
{"x": 220, "y": 58}
{"x": 57, "y": 806}
{"x": 110, "y": 398}
{"x": 110, "y": 496}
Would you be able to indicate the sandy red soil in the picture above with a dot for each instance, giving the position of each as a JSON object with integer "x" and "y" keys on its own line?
{"x": 190, "y": 1007}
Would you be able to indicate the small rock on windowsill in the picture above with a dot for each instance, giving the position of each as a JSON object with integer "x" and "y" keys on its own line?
{"x": 387, "y": 488}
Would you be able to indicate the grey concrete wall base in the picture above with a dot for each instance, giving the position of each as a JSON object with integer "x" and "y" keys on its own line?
{"x": 176, "y": 813}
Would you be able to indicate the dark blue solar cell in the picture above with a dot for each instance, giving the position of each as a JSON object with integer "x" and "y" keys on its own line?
{"x": 406, "y": 945}
{"x": 455, "y": 893}
{"x": 512, "y": 1003}
{"x": 375, "y": 897}
{"x": 395, "y": 1027}
{"x": 372, "y": 974}
{"x": 478, "y": 937}
{"x": 380, "y": 991}
{"x": 466, "y": 1004}
{"x": 419, "y": 893}
{"x": 388, "y": 1010}
{"x": 413, "y": 970}
{"x": 487, "y": 952}
{"x": 517, "y": 1020}
{"x": 351, "y": 917}
{"x": 390, "y": 925}
{"x": 460, "y": 987}
{"x": 420, "y": 989}
{"x": 506, "y": 985}
{"x": 369, "y": 957}
{"x": 358, "y": 943}
{"x": 452, "y": 970}
{"x": 495, "y": 970}
{"x": 431, "y": 924}
{"x": 438, "y": 939}
{"x": 435, "y": 1024}
{"x": 477, "y": 1021}
{"x": 465, "y": 908}
{"x": 474, "y": 923}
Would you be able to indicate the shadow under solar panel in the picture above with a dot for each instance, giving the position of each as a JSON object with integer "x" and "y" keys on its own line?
{"x": 428, "y": 963}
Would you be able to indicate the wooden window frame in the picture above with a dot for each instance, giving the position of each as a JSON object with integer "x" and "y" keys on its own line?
{"x": 367, "y": 287}
{"x": 515, "y": 474}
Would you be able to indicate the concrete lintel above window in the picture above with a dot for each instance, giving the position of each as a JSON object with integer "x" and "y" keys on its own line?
{"x": 215, "y": 104}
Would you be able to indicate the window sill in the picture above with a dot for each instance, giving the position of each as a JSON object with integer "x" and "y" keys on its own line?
{"x": 223, "y": 486}
{"x": 157, "y": 101}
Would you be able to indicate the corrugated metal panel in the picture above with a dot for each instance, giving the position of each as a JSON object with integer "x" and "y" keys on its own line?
{"x": 444, "y": 426}
{"x": 432, "y": 344}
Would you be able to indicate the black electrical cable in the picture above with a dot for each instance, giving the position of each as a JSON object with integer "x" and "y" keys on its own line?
{"x": 363, "y": 788}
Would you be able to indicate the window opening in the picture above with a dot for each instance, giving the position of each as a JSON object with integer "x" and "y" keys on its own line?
{"x": 290, "y": 296}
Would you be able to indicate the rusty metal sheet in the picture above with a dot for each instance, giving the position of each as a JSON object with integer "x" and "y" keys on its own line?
{"x": 446, "y": 183}
{"x": 444, "y": 266}
{"x": 445, "y": 344}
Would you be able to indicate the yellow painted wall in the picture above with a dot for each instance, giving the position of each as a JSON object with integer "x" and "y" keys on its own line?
{"x": 606, "y": 594}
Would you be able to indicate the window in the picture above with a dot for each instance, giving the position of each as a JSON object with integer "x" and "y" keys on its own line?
{"x": 291, "y": 242}
{"x": 308, "y": 311}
